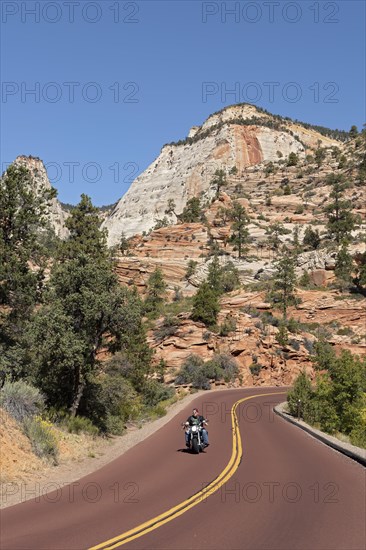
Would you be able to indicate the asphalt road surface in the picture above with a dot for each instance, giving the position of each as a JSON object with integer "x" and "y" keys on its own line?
{"x": 262, "y": 484}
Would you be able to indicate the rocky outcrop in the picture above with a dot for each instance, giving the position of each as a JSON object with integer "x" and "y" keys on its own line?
{"x": 57, "y": 215}
{"x": 259, "y": 357}
{"x": 184, "y": 170}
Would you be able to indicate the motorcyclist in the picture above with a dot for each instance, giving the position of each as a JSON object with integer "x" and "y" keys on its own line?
{"x": 196, "y": 419}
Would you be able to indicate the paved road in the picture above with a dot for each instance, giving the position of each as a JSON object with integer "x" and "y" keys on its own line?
{"x": 288, "y": 491}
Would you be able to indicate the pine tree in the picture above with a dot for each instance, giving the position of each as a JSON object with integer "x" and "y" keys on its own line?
{"x": 214, "y": 277}
{"x": 170, "y": 209}
{"x": 284, "y": 282}
{"x": 353, "y": 133}
{"x": 360, "y": 279}
{"x": 293, "y": 159}
{"x": 156, "y": 288}
{"x": 84, "y": 303}
{"x": 205, "y": 305}
{"x": 23, "y": 217}
{"x": 124, "y": 244}
{"x": 311, "y": 238}
{"x": 219, "y": 181}
{"x": 192, "y": 212}
{"x": 274, "y": 231}
{"x": 319, "y": 156}
{"x": 341, "y": 221}
{"x": 297, "y": 248}
{"x": 239, "y": 228}
{"x": 344, "y": 267}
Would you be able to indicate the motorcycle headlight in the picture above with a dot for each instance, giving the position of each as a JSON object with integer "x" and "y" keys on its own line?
{"x": 194, "y": 428}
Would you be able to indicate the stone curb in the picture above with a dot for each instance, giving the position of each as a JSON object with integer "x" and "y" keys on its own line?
{"x": 356, "y": 453}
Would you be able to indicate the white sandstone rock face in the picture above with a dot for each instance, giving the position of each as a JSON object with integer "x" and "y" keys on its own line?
{"x": 57, "y": 215}
{"x": 183, "y": 171}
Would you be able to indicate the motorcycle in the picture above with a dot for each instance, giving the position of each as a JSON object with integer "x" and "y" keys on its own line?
{"x": 196, "y": 444}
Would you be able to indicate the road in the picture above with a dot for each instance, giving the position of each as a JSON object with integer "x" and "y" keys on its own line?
{"x": 271, "y": 486}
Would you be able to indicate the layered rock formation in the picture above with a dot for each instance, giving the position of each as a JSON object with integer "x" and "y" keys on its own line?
{"x": 240, "y": 136}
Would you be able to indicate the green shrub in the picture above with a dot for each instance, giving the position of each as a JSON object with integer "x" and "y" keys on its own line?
{"x": 293, "y": 325}
{"x": 80, "y": 424}
{"x": 295, "y": 344}
{"x": 154, "y": 392}
{"x": 192, "y": 372}
{"x": 358, "y": 434}
{"x": 302, "y": 391}
{"x": 345, "y": 331}
{"x": 205, "y": 305}
{"x": 191, "y": 269}
{"x": 21, "y": 400}
{"x": 305, "y": 281}
{"x": 159, "y": 410}
{"x": 324, "y": 355}
{"x": 167, "y": 328}
{"x": 115, "y": 425}
{"x": 44, "y": 443}
{"x": 308, "y": 345}
{"x": 229, "y": 277}
{"x": 269, "y": 319}
{"x": 255, "y": 368}
{"x": 227, "y": 365}
{"x": 229, "y": 325}
{"x": 113, "y": 396}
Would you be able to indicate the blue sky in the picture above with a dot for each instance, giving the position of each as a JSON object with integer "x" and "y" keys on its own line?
{"x": 114, "y": 80}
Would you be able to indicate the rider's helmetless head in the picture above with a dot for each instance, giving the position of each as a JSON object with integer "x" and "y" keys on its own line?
{"x": 195, "y": 412}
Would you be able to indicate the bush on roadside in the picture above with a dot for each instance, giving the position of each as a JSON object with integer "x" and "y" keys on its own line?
{"x": 80, "y": 424}
{"x": 302, "y": 392}
{"x": 21, "y": 400}
{"x": 225, "y": 367}
{"x": 43, "y": 441}
{"x": 154, "y": 392}
{"x": 192, "y": 372}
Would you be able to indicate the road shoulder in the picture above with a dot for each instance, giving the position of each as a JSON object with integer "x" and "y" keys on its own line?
{"x": 356, "y": 453}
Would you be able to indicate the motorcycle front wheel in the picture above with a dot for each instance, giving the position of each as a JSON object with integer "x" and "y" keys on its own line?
{"x": 195, "y": 447}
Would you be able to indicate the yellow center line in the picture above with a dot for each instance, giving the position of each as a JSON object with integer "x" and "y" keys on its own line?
{"x": 179, "y": 509}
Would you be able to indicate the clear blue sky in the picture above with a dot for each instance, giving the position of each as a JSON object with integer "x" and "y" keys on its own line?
{"x": 158, "y": 58}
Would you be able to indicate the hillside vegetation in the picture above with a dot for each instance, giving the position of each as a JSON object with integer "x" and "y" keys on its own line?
{"x": 253, "y": 283}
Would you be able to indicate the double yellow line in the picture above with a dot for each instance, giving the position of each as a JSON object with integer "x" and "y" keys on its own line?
{"x": 172, "y": 513}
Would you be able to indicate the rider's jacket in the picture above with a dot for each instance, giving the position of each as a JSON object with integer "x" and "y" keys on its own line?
{"x": 192, "y": 420}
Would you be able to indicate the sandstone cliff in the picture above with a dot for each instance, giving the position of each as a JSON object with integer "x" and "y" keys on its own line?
{"x": 240, "y": 136}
